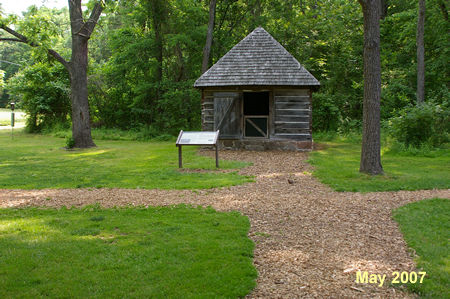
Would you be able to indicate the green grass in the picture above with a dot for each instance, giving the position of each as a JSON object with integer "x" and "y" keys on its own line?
{"x": 426, "y": 228}
{"x": 156, "y": 252}
{"x": 337, "y": 165}
{"x": 40, "y": 161}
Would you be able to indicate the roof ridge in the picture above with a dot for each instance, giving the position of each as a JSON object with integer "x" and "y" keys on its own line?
{"x": 245, "y": 38}
{"x": 263, "y": 61}
{"x": 295, "y": 59}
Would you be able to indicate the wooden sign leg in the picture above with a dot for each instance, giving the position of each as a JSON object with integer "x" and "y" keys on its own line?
{"x": 217, "y": 157}
{"x": 180, "y": 157}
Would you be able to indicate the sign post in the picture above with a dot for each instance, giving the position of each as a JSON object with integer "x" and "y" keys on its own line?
{"x": 12, "y": 119}
{"x": 197, "y": 138}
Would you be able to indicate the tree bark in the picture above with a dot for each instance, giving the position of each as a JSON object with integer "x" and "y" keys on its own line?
{"x": 420, "y": 53}
{"x": 370, "y": 149}
{"x": 81, "y": 121}
{"x": 209, "y": 36}
{"x": 384, "y": 9}
{"x": 443, "y": 8}
{"x": 81, "y": 32}
{"x": 181, "y": 70}
{"x": 157, "y": 15}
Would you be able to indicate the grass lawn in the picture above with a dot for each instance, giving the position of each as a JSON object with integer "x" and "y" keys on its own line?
{"x": 40, "y": 161}
{"x": 155, "y": 252}
{"x": 337, "y": 165}
{"x": 426, "y": 228}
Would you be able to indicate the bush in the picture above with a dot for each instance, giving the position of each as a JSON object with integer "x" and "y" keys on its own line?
{"x": 427, "y": 123}
{"x": 42, "y": 91}
{"x": 326, "y": 114}
{"x": 70, "y": 142}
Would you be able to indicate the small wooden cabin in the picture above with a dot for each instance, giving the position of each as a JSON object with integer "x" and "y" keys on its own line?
{"x": 259, "y": 96}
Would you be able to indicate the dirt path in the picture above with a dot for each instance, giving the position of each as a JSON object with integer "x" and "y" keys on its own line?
{"x": 310, "y": 240}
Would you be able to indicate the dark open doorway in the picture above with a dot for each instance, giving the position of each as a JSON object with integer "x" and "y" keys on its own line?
{"x": 256, "y": 114}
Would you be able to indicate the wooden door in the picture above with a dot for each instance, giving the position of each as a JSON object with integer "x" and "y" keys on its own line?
{"x": 227, "y": 114}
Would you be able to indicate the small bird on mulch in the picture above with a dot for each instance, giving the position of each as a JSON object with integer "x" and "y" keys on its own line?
{"x": 290, "y": 181}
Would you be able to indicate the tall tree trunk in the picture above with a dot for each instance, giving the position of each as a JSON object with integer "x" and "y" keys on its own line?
{"x": 384, "y": 9}
{"x": 420, "y": 53}
{"x": 370, "y": 150}
{"x": 181, "y": 70}
{"x": 81, "y": 125}
{"x": 157, "y": 16}
{"x": 443, "y": 8}
{"x": 209, "y": 36}
{"x": 81, "y": 32}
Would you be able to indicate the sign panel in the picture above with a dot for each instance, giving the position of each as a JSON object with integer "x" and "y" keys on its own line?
{"x": 197, "y": 138}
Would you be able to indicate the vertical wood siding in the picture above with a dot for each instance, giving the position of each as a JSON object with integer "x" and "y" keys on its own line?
{"x": 227, "y": 114}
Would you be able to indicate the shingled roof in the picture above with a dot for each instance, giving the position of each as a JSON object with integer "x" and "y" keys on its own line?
{"x": 258, "y": 59}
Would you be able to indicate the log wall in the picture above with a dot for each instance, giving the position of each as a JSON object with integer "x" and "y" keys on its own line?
{"x": 292, "y": 114}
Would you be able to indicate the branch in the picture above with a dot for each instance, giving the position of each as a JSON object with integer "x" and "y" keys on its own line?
{"x": 363, "y": 3}
{"x": 6, "y": 39}
{"x": 23, "y": 39}
{"x": 20, "y": 37}
{"x": 59, "y": 58}
{"x": 93, "y": 18}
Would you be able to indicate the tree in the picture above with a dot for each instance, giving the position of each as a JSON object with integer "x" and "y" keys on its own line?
{"x": 384, "y": 9}
{"x": 157, "y": 19}
{"x": 370, "y": 151}
{"x": 443, "y": 8}
{"x": 2, "y": 83}
{"x": 81, "y": 31}
{"x": 209, "y": 36}
{"x": 420, "y": 53}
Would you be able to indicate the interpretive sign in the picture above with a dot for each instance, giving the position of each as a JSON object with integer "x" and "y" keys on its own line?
{"x": 197, "y": 138}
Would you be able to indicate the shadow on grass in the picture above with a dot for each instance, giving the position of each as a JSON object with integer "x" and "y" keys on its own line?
{"x": 158, "y": 252}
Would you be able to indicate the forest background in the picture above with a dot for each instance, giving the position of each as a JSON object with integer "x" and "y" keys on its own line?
{"x": 133, "y": 87}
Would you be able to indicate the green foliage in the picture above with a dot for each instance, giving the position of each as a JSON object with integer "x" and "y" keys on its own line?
{"x": 326, "y": 113}
{"x": 325, "y": 36}
{"x": 157, "y": 252}
{"x": 39, "y": 161}
{"x": 426, "y": 228}
{"x": 70, "y": 142}
{"x": 2, "y": 82}
{"x": 125, "y": 92}
{"x": 337, "y": 163}
{"x": 424, "y": 124}
{"x": 13, "y": 56}
{"x": 42, "y": 92}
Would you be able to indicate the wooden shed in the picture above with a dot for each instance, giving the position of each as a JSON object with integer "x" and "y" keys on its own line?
{"x": 259, "y": 96}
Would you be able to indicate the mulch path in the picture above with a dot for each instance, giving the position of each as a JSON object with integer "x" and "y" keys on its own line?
{"x": 310, "y": 240}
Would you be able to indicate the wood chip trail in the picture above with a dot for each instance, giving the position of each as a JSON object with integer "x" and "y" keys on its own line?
{"x": 310, "y": 240}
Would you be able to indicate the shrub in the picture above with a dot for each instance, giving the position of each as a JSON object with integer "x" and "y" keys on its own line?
{"x": 326, "y": 114}
{"x": 427, "y": 123}
{"x": 70, "y": 142}
{"x": 42, "y": 91}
